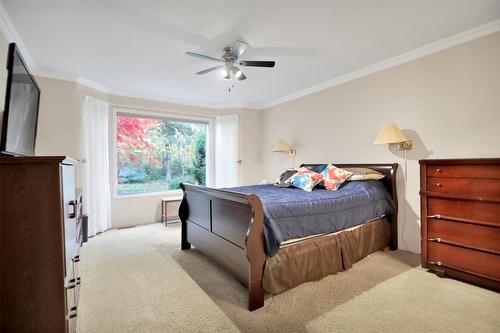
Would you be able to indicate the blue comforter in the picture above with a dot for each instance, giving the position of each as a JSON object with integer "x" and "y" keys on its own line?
{"x": 294, "y": 213}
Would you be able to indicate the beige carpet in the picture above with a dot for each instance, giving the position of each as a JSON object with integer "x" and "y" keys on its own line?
{"x": 415, "y": 302}
{"x": 138, "y": 280}
{"x": 128, "y": 286}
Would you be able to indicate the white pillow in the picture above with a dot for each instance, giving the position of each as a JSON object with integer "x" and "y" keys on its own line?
{"x": 364, "y": 174}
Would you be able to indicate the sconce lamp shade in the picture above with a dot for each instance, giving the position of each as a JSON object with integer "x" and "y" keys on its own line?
{"x": 281, "y": 146}
{"x": 390, "y": 134}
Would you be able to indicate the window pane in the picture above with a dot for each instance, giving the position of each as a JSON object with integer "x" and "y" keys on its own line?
{"x": 156, "y": 155}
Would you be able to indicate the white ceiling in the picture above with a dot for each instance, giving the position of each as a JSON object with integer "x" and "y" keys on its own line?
{"x": 138, "y": 46}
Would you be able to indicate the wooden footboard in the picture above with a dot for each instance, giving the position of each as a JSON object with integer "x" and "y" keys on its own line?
{"x": 228, "y": 227}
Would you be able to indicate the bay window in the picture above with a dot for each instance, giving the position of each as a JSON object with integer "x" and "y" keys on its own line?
{"x": 155, "y": 154}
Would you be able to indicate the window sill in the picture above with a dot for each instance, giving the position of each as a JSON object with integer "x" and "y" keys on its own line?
{"x": 166, "y": 194}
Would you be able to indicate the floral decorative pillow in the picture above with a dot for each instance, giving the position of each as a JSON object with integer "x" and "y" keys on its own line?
{"x": 333, "y": 177}
{"x": 306, "y": 179}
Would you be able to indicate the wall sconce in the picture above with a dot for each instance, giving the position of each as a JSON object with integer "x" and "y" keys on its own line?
{"x": 283, "y": 147}
{"x": 392, "y": 134}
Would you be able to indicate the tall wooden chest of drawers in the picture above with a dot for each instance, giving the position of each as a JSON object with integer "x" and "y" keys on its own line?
{"x": 460, "y": 215}
{"x": 40, "y": 238}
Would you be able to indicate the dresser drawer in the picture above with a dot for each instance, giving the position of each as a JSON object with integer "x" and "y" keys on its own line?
{"x": 469, "y": 210}
{"x": 464, "y": 171}
{"x": 470, "y": 261}
{"x": 466, "y": 234}
{"x": 481, "y": 187}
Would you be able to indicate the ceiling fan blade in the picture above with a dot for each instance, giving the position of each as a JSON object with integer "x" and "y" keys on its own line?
{"x": 257, "y": 63}
{"x": 208, "y": 70}
{"x": 202, "y": 56}
{"x": 238, "y": 49}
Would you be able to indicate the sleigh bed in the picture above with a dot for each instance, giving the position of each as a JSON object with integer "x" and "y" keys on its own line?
{"x": 232, "y": 226}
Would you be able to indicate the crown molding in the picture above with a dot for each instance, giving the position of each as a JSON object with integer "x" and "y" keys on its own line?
{"x": 46, "y": 73}
{"x": 10, "y": 32}
{"x": 54, "y": 74}
{"x": 127, "y": 94}
{"x": 420, "y": 52}
{"x": 40, "y": 72}
{"x": 93, "y": 85}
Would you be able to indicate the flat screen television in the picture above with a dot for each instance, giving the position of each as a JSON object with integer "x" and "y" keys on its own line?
{"x": 20, "y": 115}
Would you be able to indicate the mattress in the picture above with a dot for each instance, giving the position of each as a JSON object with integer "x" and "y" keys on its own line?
{"x": 291, "y": 213}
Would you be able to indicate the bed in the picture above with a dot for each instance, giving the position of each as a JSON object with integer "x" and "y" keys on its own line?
{"x": 271, "y": 240}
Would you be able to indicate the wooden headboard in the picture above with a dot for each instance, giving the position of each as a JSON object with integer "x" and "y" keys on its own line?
{"x": 389, "y": 181}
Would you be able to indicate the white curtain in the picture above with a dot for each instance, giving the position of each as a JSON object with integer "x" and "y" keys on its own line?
{"x": 226, "y": 151}
{"x": 95, "y": 166}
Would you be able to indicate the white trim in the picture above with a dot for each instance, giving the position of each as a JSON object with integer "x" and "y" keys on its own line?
{"x": 423, "y": 51}
{"x": 72, "y": 78}
{"x": 162, "y": 114}
{"x": 55, "y": 75}
{"x": 114, "y": 153}
{"x": 94, "y": 85}
{"x": 209, "y": 162}
{"x": 209, "y": 112}
{"x": 10, "y": 32}
{"x": 120, "y": 93}
{"x": 165, "y": 194}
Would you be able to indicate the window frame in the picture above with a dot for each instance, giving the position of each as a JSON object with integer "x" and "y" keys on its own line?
{"x": 163, "y": 115}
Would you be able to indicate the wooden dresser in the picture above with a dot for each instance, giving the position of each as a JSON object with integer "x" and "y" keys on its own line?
{"x": 460, "y": 214}
{"x": 40, "y": 238}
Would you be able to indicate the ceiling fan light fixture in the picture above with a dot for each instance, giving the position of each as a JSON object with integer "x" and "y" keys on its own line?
{"x": 224, "y": 73}
{"x": 236, "y": 72}
{"x": 242, "y": 76}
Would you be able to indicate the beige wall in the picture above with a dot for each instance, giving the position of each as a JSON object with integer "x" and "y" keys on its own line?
{"x": 58, "y": 119}
{"x": 448, "y": 103}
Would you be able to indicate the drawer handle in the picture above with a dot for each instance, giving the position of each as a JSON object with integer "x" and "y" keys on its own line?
{"x": 73, "y": 283}
{"x": 72, "y": 313}
{"x": 438, "y": 170}
{"x": 72, "y": 204}
{"x": 437, "y": 263}
{"x": 439, "y": 185}
{"x": 437, "y": 239}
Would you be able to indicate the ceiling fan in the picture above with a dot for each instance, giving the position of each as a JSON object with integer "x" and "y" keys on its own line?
{"x": 230, "y": 62}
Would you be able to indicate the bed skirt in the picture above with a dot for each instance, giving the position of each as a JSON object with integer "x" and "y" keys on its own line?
{"x": 314, "y": 258}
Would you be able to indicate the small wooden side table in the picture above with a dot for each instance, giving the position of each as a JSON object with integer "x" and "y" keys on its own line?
{"x": 164, "y": 204}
